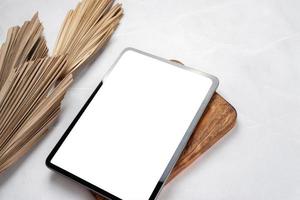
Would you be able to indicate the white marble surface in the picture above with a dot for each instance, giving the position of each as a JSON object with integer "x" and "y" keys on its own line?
{"x": 253, "y": 46}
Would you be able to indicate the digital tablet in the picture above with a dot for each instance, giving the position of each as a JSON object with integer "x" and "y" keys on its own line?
{"x": 128, "y": 136}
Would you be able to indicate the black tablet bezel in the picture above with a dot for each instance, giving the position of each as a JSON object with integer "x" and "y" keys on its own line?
{"x": 174, "y": 158}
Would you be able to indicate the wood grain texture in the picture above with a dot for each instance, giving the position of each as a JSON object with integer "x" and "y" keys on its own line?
{"x": 219, "y": 117}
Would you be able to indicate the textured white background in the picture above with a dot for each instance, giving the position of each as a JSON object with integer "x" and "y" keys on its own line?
{"x": 253, "y": 46}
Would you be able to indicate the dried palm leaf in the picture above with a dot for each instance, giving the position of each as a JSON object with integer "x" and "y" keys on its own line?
{"x": 86, "y": 30}
{"x": 32, "y": 85}
{"x": 22, "y": 44}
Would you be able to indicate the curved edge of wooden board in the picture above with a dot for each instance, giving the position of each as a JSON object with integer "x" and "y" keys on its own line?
{"x": 219, "y": 117}
{"x": 217, "y": 120}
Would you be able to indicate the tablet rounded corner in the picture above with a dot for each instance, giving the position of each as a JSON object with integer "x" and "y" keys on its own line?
{"x": 48, "y": 162}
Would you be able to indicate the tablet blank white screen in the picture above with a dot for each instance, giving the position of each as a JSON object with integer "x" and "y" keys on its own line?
{"x": 127, "y": 135}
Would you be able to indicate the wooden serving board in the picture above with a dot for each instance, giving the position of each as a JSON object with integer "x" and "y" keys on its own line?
{"x": 219, "y": 117}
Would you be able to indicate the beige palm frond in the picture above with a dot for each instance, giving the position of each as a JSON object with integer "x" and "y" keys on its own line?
{"x": 30, "y": 105}
{"x": 32, "y": 85}
{"x": 86, "y": 30}
{"x": 22, "y": 44}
